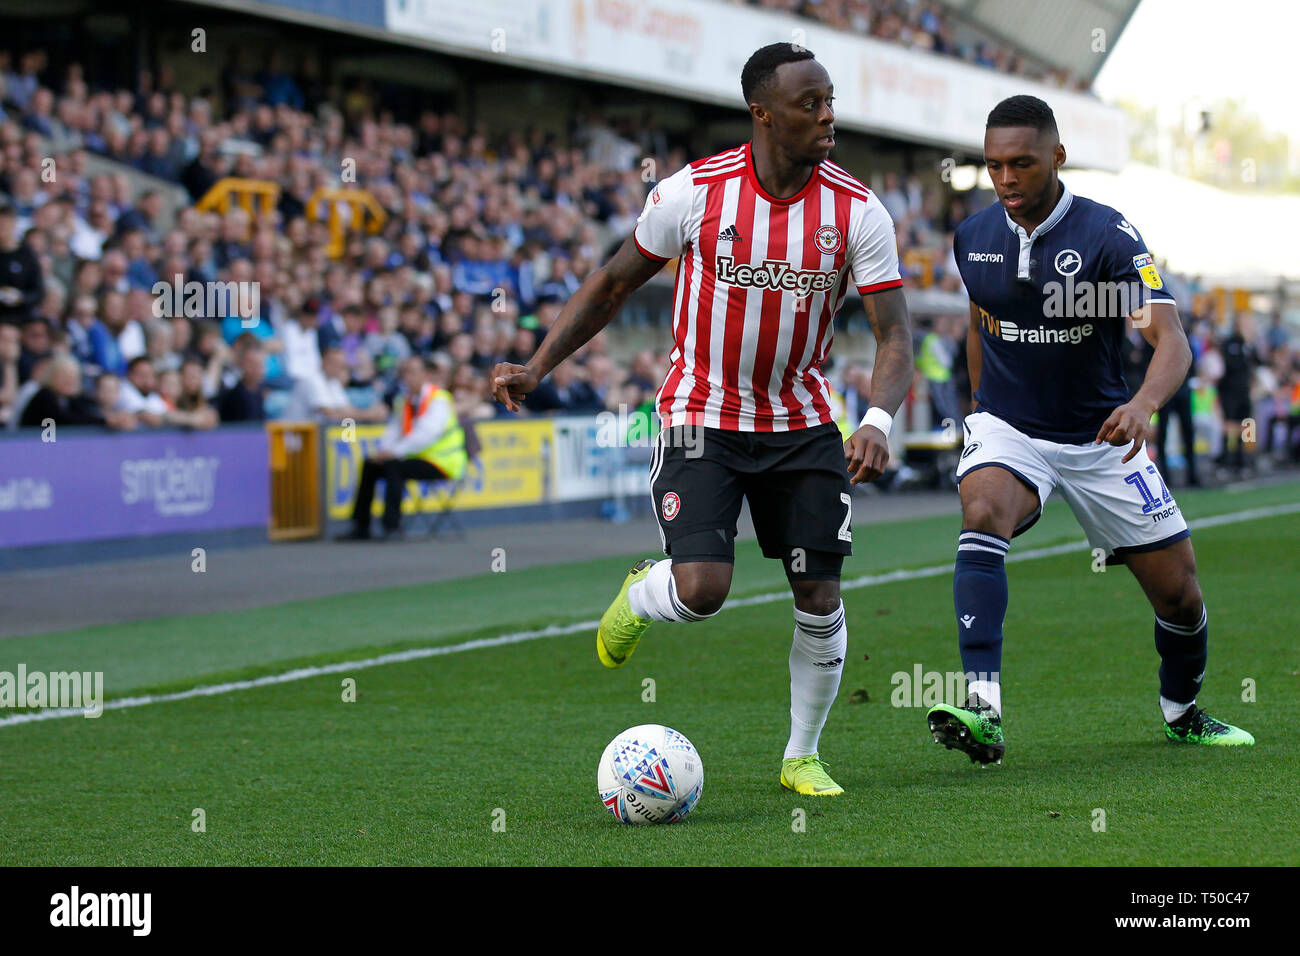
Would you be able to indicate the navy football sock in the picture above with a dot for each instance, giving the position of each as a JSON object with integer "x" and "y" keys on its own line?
{"x": 1183, "y": 651}
{"x": 979, "y": 593}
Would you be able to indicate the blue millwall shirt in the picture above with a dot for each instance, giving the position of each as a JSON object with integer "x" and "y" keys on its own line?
{"x": 1052, "y": 308}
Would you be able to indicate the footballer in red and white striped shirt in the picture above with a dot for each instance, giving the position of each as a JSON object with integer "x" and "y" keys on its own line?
{"x": 769, "y": 236}
{"x": 758, "y": 286}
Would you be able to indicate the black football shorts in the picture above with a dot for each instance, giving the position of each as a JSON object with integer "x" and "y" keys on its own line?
{"x": 796, "y": 483}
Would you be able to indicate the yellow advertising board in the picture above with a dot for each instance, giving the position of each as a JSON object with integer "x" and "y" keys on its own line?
{"x": 512, "y": 469}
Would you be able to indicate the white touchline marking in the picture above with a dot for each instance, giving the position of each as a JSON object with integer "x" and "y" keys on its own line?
{"x": 557, "y": 630}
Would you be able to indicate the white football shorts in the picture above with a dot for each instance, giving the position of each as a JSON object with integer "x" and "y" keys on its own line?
{"x": 1122, "y": 506}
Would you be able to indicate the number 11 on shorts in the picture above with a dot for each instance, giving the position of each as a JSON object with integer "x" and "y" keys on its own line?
{"x": 1150, "y": 501}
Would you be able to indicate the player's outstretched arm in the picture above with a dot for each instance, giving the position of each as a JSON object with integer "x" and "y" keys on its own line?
{"x": 590, "y": 309}
{"x": 1159, "y": 324}
{"x": 867, "y": 449}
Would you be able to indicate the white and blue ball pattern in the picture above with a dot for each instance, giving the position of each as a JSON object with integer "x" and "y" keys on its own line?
{"x": 650, "y": 774}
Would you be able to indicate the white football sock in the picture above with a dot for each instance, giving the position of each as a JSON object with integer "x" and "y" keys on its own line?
{"x": 1173, "y": 710}
{"x": 654, "y": 597}
{"x": 990, "y": 690}
{"x": 816, "y": 662}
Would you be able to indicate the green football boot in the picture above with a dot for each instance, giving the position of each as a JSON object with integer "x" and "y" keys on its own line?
{"x": 1198, "y": 727}
{"x": 973, "y": 728}
{"x": 620, "y": 629}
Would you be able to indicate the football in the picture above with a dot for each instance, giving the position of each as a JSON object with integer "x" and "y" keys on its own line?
{"x": 650, "y": 774}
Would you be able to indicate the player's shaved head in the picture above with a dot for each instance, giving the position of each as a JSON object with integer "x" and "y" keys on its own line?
{"x": 759, "y": 74}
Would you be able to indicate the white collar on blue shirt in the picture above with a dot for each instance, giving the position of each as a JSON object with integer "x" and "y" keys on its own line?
{"x": 1027, "y": 239}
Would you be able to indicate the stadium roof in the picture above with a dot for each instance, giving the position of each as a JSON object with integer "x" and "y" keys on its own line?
{"x": 1059, "y": 33}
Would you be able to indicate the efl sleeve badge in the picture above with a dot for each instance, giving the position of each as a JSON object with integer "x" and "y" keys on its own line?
{"x": 1146, "y": 268}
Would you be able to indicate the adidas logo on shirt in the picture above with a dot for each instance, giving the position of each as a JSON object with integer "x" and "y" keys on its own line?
{"x": 730, "y": 235}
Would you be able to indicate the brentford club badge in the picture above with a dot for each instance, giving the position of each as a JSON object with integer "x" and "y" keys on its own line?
{"x": 828, "y": 239}
{"x": 670, "y": 506}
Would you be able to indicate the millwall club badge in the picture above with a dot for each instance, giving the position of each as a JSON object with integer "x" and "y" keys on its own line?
{"x": 828, "y": 239}
{"x": 1146, "y": 267}
{"x": 670, "y": 506}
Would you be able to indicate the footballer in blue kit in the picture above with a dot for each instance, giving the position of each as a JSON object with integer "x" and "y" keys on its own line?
{"x": 1052, "y": 279}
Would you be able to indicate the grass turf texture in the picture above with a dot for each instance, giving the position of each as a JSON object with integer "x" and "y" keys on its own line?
{"x": 414, "y": 770}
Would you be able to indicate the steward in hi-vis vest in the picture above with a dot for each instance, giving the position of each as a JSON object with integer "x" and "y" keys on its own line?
{"x": 423, "y": 442}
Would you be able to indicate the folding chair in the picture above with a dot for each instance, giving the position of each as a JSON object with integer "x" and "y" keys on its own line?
{"x": 446, "y": 513}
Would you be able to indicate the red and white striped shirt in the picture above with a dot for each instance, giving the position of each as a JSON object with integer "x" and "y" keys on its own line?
{"x": 759, "y": 283}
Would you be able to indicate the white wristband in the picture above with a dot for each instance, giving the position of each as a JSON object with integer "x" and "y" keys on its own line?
{"x": 879, "y": 418}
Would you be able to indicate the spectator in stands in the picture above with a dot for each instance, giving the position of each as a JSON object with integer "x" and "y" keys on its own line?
{"x": 522, "y": 346}
{"x": 20, "y": 271}
{"x": 113, "y": 265}
{"x": 210, "y": 349}
{"x": 645, "y": 371}
{"x": 127, "y": 334}
{"x": 484, "y": 341}
{"x": 139, "y": 273}
{"x": 159, "y": 348}
{"x": 353, "y": 339}
{"x": 423, "y": 442}
{"x": 323, "y": 396}
{"x": 857, "y": 392}
{"x": 562, "y": 391}
{"x": 169, "y": 387}
{"x": 60, "y": 400}
{"x": 35, "y": 339}
{"x": 140, "y": 396}
{"x": 245, "y": 400}
{"x": 191, "y": 400}
{"x": 206, "y": 168}
{"x": 22, "y": 84}
{"x": 367, "y": 389}
{"x": 388, "y": 346}
{"x": 302, "y": 345}
{"x": 108, "y": 393}
{"x": 172, "y": 391}
{"x": 143, "y": 217}
{"x": 418, "y": 328}
{"x": 894, "y": 199}
{"x": 10, "y": 350}
{"x": 472, "y": 395}
{"x": 602, "y": 381}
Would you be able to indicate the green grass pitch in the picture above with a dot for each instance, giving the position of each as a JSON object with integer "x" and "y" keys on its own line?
{"x": 434, "y": 751}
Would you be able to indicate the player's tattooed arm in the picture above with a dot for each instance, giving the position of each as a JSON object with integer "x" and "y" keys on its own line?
{"x": 589, "y": 310}
{"x": 894, "y": 368}
{"x": 1159, "y": 324}
{"x": 974, "y": 352}
{"x": 867, "y": 450}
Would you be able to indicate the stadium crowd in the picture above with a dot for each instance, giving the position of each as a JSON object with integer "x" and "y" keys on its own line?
{"x": 920, "y": 25}
{"x": 485, "y": 238}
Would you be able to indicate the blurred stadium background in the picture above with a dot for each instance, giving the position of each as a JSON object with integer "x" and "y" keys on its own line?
{"x": 411, "y": 178}
{"x": 433, "y": 179}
